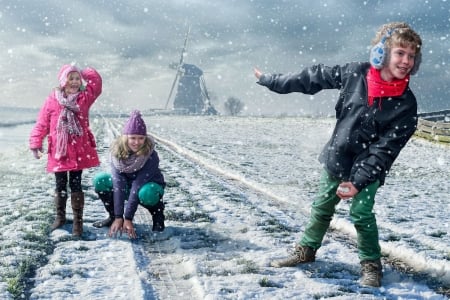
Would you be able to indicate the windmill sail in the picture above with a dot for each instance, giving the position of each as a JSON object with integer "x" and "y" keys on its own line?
{"x": 179, "y": 67}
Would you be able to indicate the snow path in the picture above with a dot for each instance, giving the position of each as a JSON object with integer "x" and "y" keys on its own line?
{"x": 227, "y": 217}
{"x": 419, "y": 262}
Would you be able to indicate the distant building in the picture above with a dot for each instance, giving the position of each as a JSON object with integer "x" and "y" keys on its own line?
{"x": 192, "y": 96}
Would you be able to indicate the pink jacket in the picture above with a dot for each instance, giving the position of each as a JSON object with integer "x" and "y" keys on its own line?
{"x": 81, "y": 150}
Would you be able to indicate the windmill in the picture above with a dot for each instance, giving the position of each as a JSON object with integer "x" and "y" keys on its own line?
{"x": 191, "y": 97}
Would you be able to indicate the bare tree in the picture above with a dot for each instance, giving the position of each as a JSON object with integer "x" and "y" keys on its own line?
{"x": 233, "y": 106}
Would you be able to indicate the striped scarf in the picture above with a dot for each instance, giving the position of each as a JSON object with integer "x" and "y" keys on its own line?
{"x": 131, "y": 164}
{"x": 68, "y": 122}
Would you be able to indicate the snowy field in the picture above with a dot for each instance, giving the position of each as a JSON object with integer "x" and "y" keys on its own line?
{"x": 238, "y": 195}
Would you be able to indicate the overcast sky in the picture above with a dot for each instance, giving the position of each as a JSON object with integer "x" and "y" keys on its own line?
{"x": 132, "y": 43}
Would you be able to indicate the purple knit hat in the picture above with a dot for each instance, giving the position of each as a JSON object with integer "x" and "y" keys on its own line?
{"x": 135, "y": 124}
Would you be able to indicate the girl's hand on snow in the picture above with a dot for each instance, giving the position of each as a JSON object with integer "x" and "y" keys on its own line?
{"x": 116, "y": 227}
{"x": 129, "y": 229}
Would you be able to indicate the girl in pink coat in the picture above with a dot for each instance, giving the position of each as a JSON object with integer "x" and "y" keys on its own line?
{"x": 64, "y": 120}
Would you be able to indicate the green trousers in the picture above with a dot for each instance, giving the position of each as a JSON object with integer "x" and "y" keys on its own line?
{"x": 323, "y": 209}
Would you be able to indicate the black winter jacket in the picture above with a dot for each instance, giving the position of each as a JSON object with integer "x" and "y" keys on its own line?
{"x": 366, "y": 140}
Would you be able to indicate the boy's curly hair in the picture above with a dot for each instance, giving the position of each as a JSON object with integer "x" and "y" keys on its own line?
{"x": 401, "y": 34}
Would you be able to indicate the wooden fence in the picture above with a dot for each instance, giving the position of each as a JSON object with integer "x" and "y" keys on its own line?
{"x": 434, "y": 126}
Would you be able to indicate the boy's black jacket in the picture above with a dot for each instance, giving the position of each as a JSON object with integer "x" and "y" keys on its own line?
{"x": 366, "y": 140}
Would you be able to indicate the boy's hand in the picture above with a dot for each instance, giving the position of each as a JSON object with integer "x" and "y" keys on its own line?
{"x": 257, "y": 72}
{"x": 346, "y": 190}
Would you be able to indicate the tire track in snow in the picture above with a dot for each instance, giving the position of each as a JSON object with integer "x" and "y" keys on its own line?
{"x": 434, "y": 268}
{"x": 180, "y": 275}
{"x": 173, "y": 269}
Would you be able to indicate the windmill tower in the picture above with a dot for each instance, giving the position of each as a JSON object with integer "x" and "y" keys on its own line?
{"x": 191, "y": 95}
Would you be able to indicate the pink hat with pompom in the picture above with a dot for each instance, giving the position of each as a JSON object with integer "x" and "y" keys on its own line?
{"x": 135, "y": 124}
{"x": 64, "y": 72}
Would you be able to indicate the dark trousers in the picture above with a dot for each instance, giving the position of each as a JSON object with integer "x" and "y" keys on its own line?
{"x": 71, "y": 177}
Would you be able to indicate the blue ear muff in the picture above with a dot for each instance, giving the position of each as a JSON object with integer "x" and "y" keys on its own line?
{"x": 417, "y": 61}
{"x": 378, "y": 53}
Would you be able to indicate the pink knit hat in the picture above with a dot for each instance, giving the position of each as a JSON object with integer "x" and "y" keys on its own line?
{"x": 64, "y": 72}
{"x": 135, "y": 124}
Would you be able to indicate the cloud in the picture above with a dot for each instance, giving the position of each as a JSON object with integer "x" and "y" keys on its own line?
{"x": 132, "y": 45}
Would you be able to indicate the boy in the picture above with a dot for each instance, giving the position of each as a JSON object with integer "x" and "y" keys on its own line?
{"x": 376, "y": 115}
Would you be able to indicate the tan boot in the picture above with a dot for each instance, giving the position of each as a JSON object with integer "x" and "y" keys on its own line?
{"x": 60, "y": 206}
{"x": 371, "y": 273}
{"x": 77, "y": 199}
{"x": 301, "y": 255}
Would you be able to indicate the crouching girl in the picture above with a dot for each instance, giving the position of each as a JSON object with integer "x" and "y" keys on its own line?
{"x": 135, "y": 179}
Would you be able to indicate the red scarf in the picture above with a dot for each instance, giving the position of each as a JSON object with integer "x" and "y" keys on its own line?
{"x": 377, "y": 87}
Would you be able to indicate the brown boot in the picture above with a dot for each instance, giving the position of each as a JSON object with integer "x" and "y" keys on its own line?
{"x": 77, "y": 199}
{"x": 301, "y": 255}
{"x": 60, "y": 206}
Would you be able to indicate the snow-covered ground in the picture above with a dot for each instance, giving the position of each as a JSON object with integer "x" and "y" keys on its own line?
{"x": 238, "y": 195}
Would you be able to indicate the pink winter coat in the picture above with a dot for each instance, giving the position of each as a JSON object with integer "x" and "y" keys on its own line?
{"x": 81, "y": 150}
